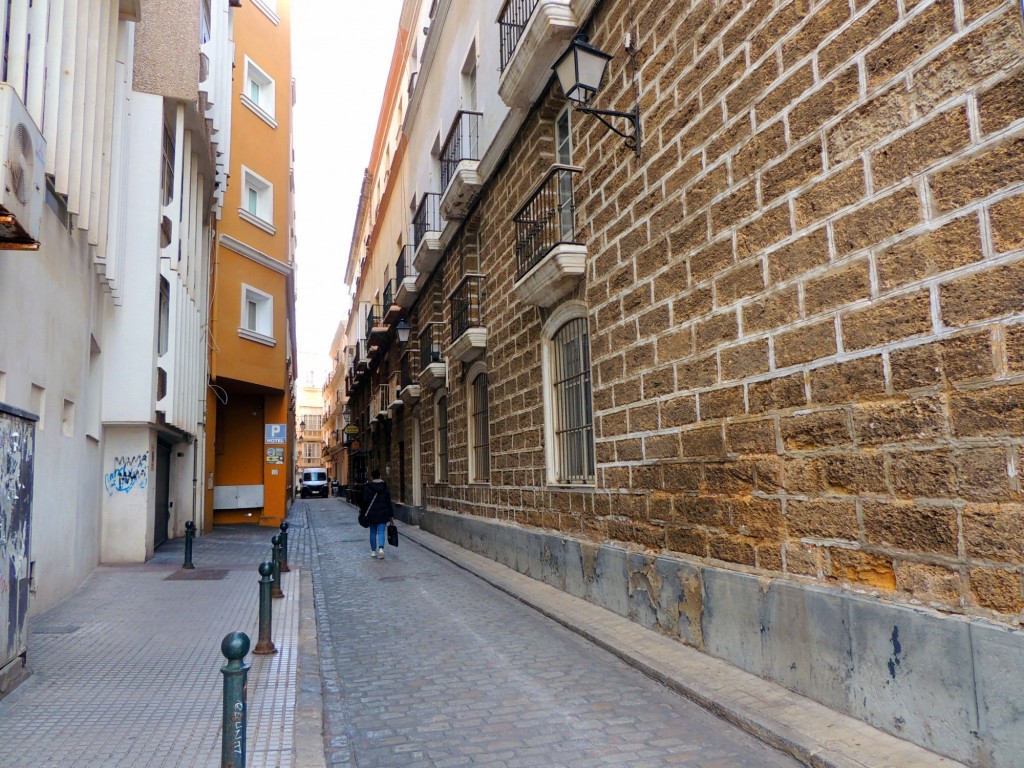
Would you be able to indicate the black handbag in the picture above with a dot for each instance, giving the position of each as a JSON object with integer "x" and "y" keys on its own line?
{"x": 364, "y": 519}
{"x": 392, "y": 534}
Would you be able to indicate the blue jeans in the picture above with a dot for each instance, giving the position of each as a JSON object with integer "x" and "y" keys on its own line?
{"x": 377, "y": 535}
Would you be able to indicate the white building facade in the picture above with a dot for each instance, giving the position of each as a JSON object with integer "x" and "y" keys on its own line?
{"x": 104, "y": 324}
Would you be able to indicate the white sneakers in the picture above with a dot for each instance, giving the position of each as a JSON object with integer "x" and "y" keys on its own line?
{"x": 380, "y": 553}
{"x": 373, "y": 554}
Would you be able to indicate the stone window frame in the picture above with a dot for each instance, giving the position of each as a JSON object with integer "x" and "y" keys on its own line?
{"x": 562, "y": 315}
{"x": 260, "y": 326}
{"x": 265, "y": 107}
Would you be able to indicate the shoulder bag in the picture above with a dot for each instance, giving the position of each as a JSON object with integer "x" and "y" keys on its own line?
{"x": 392, "y": 534}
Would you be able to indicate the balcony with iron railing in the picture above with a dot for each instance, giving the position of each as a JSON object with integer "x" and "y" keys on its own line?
{"x": 460, "y": 163}
{"x": 405, "y": 278}
{"x": 533, "y": 34}
{"x": 549, "y": 259}
{"x": 433, "y": 367}
{"x": 408, "y": 381}
{"x": 376, "y": 330}
{"x": 426, "y": 233}
{"x": 469, "y": 335}
{"x": 394, "y": 392}
{"x": 390, "y": 307}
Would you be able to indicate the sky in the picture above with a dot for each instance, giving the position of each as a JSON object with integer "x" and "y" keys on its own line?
{"x": 341, "y": 51}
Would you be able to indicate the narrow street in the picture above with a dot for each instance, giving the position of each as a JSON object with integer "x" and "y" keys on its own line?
{"x": 427, "y": 665}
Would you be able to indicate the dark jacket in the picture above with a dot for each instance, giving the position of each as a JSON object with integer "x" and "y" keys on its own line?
{"x": 379, "y": 511}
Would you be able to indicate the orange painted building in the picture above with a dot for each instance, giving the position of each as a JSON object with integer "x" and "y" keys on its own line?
{"x": 250, "y": 407}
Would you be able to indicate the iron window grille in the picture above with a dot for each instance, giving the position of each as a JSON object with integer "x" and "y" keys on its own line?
{"x": 389, "y": 295}
{"x": 511, "y": 24}
{"x": 427, "y": 217}
{"x": 442, "y": 440}
{"x": 431, "y": 345}
{"x": 573, "y": 417}
{"x": 467, "y": 305}
{"x": 547, "y": 219}
{"x": 481, "y": 431}
{"x": 462, "y": 143}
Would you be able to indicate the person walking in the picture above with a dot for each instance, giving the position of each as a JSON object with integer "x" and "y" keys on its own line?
{"x": 377, "y": 502}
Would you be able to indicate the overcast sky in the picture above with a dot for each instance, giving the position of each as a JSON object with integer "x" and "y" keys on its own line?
{"x": 341, "y": 51}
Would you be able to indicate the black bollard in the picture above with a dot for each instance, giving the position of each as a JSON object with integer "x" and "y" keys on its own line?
{"x": 232, "y": 751}
{"x": 190, "y": 532}
{"x": 284, "y": 548}
{"x": 264, "y": 645}
{"x": 276, "y": 591}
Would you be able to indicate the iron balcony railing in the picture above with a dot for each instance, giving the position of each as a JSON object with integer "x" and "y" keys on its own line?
{"x": 374, "y": 319}
{"x": 547, "y": 219}
{"x": 403, "y": 267}
{"x": 389, "y": 295}
{"x": 431, "y": 345}
{"x": 427, "y": 217}
{"x": 463, "y": 143}
{"x": 511, "y": 25}
{"x": 467, "y": 305}
{"x": 406, "y": 376}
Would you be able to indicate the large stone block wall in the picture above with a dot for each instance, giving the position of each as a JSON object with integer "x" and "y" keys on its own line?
{"x": 806, "y": 295}
{"x": 807, "y": 323}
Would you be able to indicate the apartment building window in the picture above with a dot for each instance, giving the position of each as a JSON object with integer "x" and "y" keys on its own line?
{"x": 563, "y": 156}
{"x": 479, "y": 425}
{"x": 259, "y": 93}
{"x": 313, "y": 421}
{"x": 257, "y": 316}
{"x": 164, "y": 319}
{"x": 569, "y": 416}
{"x": 311, "y": 451}
{"x": 257, "y": 201}
{"x": 441, "y": 439}
{"x": 167, "y": 172}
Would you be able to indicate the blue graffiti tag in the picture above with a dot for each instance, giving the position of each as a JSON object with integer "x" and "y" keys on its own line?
{"x": 129, "y": 472}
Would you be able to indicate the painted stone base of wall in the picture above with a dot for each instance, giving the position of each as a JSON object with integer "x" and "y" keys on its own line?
{"x": 948, "y": 683}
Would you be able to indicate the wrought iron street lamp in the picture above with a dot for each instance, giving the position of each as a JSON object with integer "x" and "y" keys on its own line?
{"x": 403, "y": 329}
{"x": 580, "y": 72}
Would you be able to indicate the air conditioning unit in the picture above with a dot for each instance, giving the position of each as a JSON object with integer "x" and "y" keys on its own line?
{"x": 23, "y": 186}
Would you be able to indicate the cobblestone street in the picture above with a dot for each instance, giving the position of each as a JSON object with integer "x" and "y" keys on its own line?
{"x": 426, "y": 665}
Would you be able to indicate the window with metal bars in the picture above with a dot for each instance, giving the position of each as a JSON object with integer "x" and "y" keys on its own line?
{"x": 441, "y": 422}
{"x": 480, "y": 429}
{"x": 573, "y": 413}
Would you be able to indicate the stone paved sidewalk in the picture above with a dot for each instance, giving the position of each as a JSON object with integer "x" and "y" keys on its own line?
{"x": 127, "y": 670}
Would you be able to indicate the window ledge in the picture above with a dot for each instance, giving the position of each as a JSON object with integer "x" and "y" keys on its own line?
{"x": 259, "y": 111}
{"x": 259, "y": 338}
{"x": 256, "y": 221}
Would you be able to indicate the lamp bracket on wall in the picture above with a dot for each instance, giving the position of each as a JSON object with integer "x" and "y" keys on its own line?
{"x": 633, "y": 118}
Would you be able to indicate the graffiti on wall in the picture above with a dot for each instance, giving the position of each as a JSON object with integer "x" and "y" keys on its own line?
{"x": 129, "y": 473}
{"x": 17, "y": 445}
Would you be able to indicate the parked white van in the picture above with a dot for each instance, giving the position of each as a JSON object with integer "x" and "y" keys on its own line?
{"x": 314, "y": 483}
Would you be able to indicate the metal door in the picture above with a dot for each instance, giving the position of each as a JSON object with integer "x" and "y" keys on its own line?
{"x": 162, "y": 511}
{"x": 17, "y": 449}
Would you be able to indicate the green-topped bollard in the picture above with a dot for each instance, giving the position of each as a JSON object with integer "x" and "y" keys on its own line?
{"x": 264, "y": 645}
{"x": 234, "y": 647}
{"x": 190, "y": 532}
{"x": 276, "y": 591}
{"x": 284, "y": 548}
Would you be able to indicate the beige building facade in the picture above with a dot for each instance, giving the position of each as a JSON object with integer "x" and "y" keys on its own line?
{"x": 758, "y": 385}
